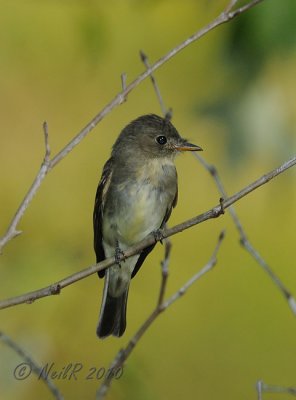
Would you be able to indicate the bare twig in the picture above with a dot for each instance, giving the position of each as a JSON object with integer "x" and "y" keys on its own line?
{"x": 224, "y": 17}
{"x": 197, "y": 276}
{"x": 28, "y": 366}
{"x": 145, "y": 61}
{"x": 46, "y": 140}
{"x": 148, "y": 241}
{"x": 123, "y": 81}
{"x": 164, "y": 270}
{"x": 259, "y": 390}
{"x": 242, "y": 9}
{"x": 264, "y": 387}
{"x": 244, "y": 239}
{"x": 123, "y": 86}
{"x": 123, "y": 354}
{"x": 12, "y": 230}
{"x": 230, "y": 6}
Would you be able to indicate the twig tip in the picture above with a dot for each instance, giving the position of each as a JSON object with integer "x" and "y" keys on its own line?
{"x": 292, "y": 304}
{"x": 47, "y": 147}
{"x": 169, "y": 114}
{"x": 143, "y": 56}
{"x": 222, "y": 235}
{"x": 123, "y": 77}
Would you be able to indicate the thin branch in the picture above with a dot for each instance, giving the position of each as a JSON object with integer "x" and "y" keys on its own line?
{"x": 164, "y": 270}
{"x": 223, "y": 18}
{"x": 230, "y": 6}
{"x": 197, "y": 276}
{"x": 148, "y": 241}
{"x": 123, "y": 86}
{"x": 123, "y": 81}
{"x": 46, "y": 140}
{"x": 244, "y": 239}
{"x": 244, "y": 8}
{"x": 145, "y": 61}
{"x": 259, "y": 390}
{"x": 23, "y": 370}
{"x": 264, "y": 387}
{"x": 123, "y": 354}
{"x": 12, "y": 230}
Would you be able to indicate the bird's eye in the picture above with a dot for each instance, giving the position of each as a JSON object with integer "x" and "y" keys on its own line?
{"x": 161, "y": 139}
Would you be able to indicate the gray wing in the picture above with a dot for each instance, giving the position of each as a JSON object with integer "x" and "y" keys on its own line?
{"x": 98, "y": 213}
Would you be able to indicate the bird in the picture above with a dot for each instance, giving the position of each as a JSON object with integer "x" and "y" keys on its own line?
{"x": 136, "y": 194}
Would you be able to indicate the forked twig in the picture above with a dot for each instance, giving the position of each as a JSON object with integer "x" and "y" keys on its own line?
{"x": 123, "y": 354}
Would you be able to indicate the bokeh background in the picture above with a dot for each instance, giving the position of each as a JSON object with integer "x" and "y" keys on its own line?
{"x": 233, "y": 93}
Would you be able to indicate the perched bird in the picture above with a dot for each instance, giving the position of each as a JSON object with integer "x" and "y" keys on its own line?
{"x": 135, "y": 197}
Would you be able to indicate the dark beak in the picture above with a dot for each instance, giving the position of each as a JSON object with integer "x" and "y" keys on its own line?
{"x": 186, "y": 146}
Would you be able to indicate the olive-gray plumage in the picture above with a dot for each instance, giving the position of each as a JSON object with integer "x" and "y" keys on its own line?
{"x": 135, "y": 197}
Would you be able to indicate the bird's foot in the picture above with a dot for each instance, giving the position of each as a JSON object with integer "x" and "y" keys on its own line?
{"x": 118, "y": 254}
{"x": 158, "y": 235}
{"x": 221, "y": 201}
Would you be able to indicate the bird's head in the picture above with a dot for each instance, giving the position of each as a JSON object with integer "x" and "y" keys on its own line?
{"x": 151, "y": 136}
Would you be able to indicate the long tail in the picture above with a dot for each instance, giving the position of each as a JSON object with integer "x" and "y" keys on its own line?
{"x": 112, "y": 320}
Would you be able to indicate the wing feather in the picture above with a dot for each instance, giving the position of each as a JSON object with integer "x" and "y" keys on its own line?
{"x": 98, "y": 212}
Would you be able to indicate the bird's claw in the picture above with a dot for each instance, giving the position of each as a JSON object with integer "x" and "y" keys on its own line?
{"x": 221, "y": 201}
{"x": 158, "y": 235}
{"x": 118, "y": 254}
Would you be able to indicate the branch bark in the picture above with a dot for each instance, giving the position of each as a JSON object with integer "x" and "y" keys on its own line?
{"x": 264, "y": 387}
{"x": 212, "y": 213}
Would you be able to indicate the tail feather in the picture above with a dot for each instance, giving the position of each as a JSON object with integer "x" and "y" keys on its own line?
{"x": 112, "y": 319}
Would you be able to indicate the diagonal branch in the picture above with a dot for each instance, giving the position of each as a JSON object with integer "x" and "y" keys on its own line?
{"x": 264, "y": 387}
{"x": 22, "y": 371}
{"x": 123, "y": 354}
{"x": 242, "y": 9}
{"x": 46, "y": 140}
{"x": 164, "y": 270}
{"x": 146, "y": 62}
{"x": 230, "y": 6}
{"x": 149, "y": 240}
{"x": 12, "y": 230}
{"x": 227, "y": 15}
{"x": 244, "y": 239}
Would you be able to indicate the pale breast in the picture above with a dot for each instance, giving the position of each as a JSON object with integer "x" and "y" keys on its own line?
{"x": 141, "y": 203}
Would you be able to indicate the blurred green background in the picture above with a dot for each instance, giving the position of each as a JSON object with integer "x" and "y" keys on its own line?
{"x": 233, "y": 93}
